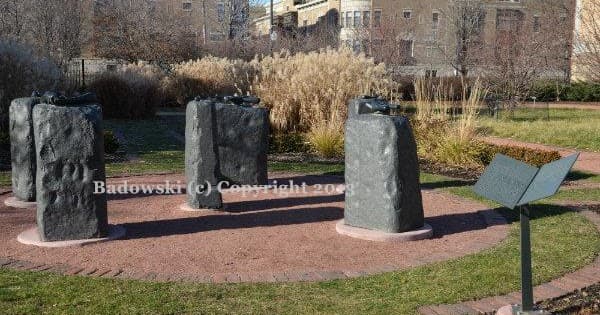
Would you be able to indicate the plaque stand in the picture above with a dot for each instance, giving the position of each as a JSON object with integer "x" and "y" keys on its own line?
{"x": 513, "y": 184}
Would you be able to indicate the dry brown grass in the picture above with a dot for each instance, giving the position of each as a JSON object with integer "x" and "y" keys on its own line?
{"x": 207, "y": 77}
{"x": 307, "y": 89}
{"x": 442, "y": 137}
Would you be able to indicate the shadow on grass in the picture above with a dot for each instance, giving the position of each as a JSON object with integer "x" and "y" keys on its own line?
{"x": 577, "y": 175}
{"x": 537, "y": 211}
{"x": 447, "y": 184}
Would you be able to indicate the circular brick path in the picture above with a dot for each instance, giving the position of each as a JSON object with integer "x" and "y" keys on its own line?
{"x": 260, "y": 238}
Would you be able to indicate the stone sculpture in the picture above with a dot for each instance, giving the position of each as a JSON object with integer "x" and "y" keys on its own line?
{"x": 22, "y": 148}
{"x": 382, "y": 170}
{"x": 243, "y": 143}
{"x": 202, "y": 155}
{"x": 70, "y": 159}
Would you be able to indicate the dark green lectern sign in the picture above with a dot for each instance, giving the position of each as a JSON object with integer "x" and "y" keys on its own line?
{"x": 513, "y": 183}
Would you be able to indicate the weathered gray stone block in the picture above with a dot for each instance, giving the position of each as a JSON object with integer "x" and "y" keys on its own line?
{"x": 202, "y": 155}
{"x": 382, "y": 174}
{"x": 243, "y": 143}
{"x": 70, "y": 158}
{"x": 22, "y": 148}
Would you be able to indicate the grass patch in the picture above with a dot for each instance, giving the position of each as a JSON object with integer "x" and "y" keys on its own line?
{"x": 307, "y": 167}
{"x": 570, "y": 128}
{"x": 5, "y": 179}
{"x": 562, "y": 241}
{"x": 585, "y": 194}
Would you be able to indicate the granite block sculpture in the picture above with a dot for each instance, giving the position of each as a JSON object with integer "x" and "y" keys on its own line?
{"x": 382, "y": 171}
{"x": 70, "y": 159}
{"x": 242, "y": 137}
{"x": 22, "y": 147}
{"x": 202, "y": 155}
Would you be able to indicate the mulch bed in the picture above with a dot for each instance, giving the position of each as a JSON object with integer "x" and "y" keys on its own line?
{"x": 580, "y": 302}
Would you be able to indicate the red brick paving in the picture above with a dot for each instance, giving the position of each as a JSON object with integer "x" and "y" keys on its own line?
{"x": 265, "y": 239}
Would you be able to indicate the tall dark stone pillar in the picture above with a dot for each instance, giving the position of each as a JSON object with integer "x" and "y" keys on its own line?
{"x": 70, "y": 158}
{"x": 202, "y": 155}
{"x": 243, "y": 143}
{"x": 22, "y": 148}
{"x": 382, "y": 173}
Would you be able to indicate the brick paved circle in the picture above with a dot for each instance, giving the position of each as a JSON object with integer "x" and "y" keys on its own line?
{"x": 263, "y": 237}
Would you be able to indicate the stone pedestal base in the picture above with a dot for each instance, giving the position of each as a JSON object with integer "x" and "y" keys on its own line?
{"x": 372, "y": 235}
{"x": 32, "y": 237}
{"x": 16, "y": 203}
{"x": 516, "y": 310}
{"x": 186, "y": 207}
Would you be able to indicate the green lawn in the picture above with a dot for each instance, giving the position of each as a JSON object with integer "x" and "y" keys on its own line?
{"x": 572, "y": 128}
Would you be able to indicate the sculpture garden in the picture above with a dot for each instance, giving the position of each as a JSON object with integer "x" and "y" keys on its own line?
{"x": 285, "y": 234}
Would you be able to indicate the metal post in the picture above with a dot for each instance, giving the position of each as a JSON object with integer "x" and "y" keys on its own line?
{"x": 526, "y": 279}
{"x": 82, "y": 74}
{"x": 271, "y": 29}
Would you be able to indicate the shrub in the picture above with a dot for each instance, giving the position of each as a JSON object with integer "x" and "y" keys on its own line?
{"x": 306, "y": 89}
{"x": 327, "y": 140}
{"x": 21, "y": 73}
{"x": 531, "y": 156}
{"x": 133, "y": 91}
{"x": 550, "y": 91}
{"x": 111, "y": 143}
{"x": 288, "y": 143}
{"x": 583, "y": 92}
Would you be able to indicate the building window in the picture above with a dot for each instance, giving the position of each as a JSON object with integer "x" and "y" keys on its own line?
{"x": 217, "y": 37}
{"x": 220, "y": 12}
{"x": 342, "y": 19}
{"x": 356, "y": 18}
{"x": 304, "y": 23}
{"x": 349, "y": 19}
{"x": 407, "y": 48}
{"x": 407, "y": 14}
{"x": 430, "y": 73}
{"x": 435, "y": 19}
{"x": 536, "y": 24}
{"x": 366, "y": 18}
{"x": 376, "y": 18}
{"x": 563, "y": 17}
{"x": 434, "y": 35}
{"x": 186, "y": 5}
{"x": 509, "y": 20}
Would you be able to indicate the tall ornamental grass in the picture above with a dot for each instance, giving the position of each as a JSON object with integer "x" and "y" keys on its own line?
{"x": 443, "y": 137}
{"x": 307, "y": 89}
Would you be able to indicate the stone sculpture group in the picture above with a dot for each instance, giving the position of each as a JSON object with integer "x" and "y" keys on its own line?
{"x": 224, "y": 142}
{"x": 58, "y": 154}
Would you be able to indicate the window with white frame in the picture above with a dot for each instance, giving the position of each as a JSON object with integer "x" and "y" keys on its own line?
{"x": 356, "y": 18}
{"x": 366, "y": 18}
{"x": 220, "y": 11}
{"x": 536, "y": 24}
{"x": 349, "y": 19}
{"x": 435, "y": 20}
{"x": 407, "y": 14}
{"x": 377, "y": 18}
